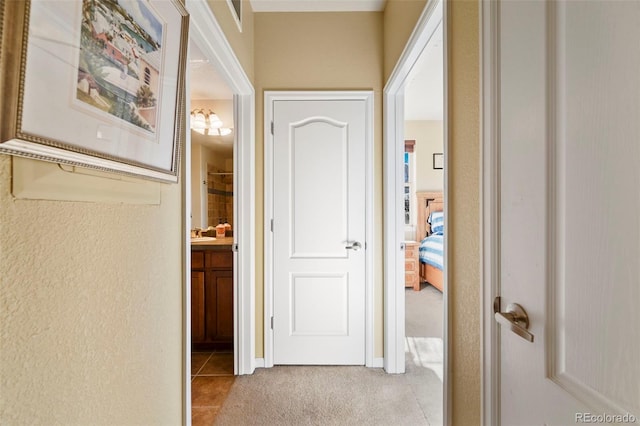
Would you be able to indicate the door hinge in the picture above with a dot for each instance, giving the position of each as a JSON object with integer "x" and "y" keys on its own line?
{"x": 235, "y": 247}
{"x": 272, "y": 127}
{"x": 272, "y": 323}
{"x": 271, "y": 225}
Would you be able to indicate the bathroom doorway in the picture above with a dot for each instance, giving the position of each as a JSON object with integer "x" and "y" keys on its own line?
{"x": 211, "y": 130}
{"x": 219, "y": 176}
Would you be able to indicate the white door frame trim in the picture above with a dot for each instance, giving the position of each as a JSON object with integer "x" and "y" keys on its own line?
{"x": 269, "y": 98}
{"x": 394, "y": 303}
{"x": 206, "y": 32}
{"x": 490, "y": 211}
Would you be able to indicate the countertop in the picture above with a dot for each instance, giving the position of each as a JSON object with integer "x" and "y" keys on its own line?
{"x": 218, "y": 243}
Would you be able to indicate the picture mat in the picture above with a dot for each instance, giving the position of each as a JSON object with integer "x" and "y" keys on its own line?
{"x": 50, "y": 83}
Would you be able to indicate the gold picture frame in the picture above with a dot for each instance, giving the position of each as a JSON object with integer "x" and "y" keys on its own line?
{"x": 95, "y": 83}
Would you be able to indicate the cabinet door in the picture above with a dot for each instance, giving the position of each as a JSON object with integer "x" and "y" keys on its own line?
{"x": 224, "y": 289}
{"x": 219, "y": 314}
{"x": 197, "y": 306}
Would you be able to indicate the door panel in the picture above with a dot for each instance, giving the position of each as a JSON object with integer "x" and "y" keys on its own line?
{"x": 224, "y": 302}
{"x": 597, "y": 207}
{"x": 323, "y": 296}
{"x": 197, "y": 306}
{"x": 319, "y": 210}
{"x": 318, "y": 160}
{"x": 570, "y": 208}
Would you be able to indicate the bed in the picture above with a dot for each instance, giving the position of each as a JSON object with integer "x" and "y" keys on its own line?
{"x": 430, "y": 233}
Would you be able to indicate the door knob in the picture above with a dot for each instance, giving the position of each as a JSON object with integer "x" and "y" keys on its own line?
{"x": 355, "y": 246}
{"x": 515, "y": 318}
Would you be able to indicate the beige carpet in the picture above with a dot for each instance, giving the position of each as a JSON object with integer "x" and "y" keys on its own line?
{"x": 424, "y": 312}
{"x": 310, "y": 395}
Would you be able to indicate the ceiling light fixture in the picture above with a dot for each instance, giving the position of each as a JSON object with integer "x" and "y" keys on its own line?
{"x": 207, "y": 122}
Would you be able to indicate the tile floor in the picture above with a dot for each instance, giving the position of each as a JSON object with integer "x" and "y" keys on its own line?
{"x": 211, "y": 380}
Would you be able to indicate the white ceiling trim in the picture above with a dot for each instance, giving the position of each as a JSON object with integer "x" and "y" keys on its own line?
{"x": 318, "y": 5}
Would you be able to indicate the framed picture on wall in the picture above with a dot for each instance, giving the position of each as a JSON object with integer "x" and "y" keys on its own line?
{"x": 96, "y": 83}
{"x": 438, "y": 161}
{"x": 236, "y": 11}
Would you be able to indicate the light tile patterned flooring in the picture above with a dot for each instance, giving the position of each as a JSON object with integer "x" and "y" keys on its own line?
{"x": 211, "y": 380}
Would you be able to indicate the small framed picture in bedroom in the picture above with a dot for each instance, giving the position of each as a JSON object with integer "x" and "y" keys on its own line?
{"x": 438, "y": 161}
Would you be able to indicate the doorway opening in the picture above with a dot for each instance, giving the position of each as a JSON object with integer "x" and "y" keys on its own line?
{"x": 415, "y": 179}
{"x": 423, "y": 203}
{"x": 211, "y": 130}
{"x": 221, "y": 148}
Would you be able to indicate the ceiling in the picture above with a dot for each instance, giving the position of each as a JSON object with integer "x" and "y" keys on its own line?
{"x": 206, "y": 85}
{"x": 424, "y": 92}
{"x": 205, "y": 81}
{"x": 318, "y": 5}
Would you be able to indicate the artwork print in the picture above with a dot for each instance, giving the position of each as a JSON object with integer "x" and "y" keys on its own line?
{"x": 119, "y": 67}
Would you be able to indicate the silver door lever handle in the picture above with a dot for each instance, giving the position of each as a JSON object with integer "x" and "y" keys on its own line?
{"x": 516, "y": 318}
{"x": 355, "y": 246}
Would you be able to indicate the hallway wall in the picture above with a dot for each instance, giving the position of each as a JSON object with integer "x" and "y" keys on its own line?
{"x": 463, "y": 162}
{"x": 319, "y": 51}
{"x": 90, "y": 310}
{"x": 241, "y": 42}
{"x": 400, "y": 18}
{"x": 428, "y": 135}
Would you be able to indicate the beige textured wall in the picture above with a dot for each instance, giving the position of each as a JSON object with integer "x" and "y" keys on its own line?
{"x": 428, "y": 135}
{"x": 400, "y": 18}
{"x": 313, "y": 51}
{"x": 240, "y": 41}
{"x": 464, "y": 210}
{"x": 90, "y": 310}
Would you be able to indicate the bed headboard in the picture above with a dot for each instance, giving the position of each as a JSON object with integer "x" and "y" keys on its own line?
{"x": 428, "y": 201}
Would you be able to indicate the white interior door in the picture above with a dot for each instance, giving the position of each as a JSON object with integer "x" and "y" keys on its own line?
{"x": 319, "y": 186}
{"x": 569, "y": 164}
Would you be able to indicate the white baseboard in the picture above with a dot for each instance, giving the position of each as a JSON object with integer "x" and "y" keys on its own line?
{"x": 377, "y": 363}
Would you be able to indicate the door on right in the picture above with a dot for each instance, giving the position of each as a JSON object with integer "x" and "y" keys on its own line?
{"x": 568, "y": 216}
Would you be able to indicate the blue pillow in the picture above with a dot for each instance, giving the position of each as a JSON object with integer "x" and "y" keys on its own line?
{"x": 436, "y": 219}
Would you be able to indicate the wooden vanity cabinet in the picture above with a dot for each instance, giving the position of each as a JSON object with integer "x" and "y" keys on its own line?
{"x": 212, "y": 299}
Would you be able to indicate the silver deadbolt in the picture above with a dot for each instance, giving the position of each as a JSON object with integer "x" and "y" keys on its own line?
{"x": 355, "y": 246}
{"x": 515, "y": 318}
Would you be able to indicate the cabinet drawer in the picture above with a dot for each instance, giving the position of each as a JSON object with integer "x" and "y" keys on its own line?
{"x": 411, "y": 249}
{"x": 197, "y": 259}
{"x": 411, "y": 279}
{"x": 411, "y": 265}
{"x": 219, "y": 259}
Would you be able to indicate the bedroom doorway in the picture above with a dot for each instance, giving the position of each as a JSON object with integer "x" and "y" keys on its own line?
{"x": 415, "y": 184}
{"x": 423, "y": 204}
